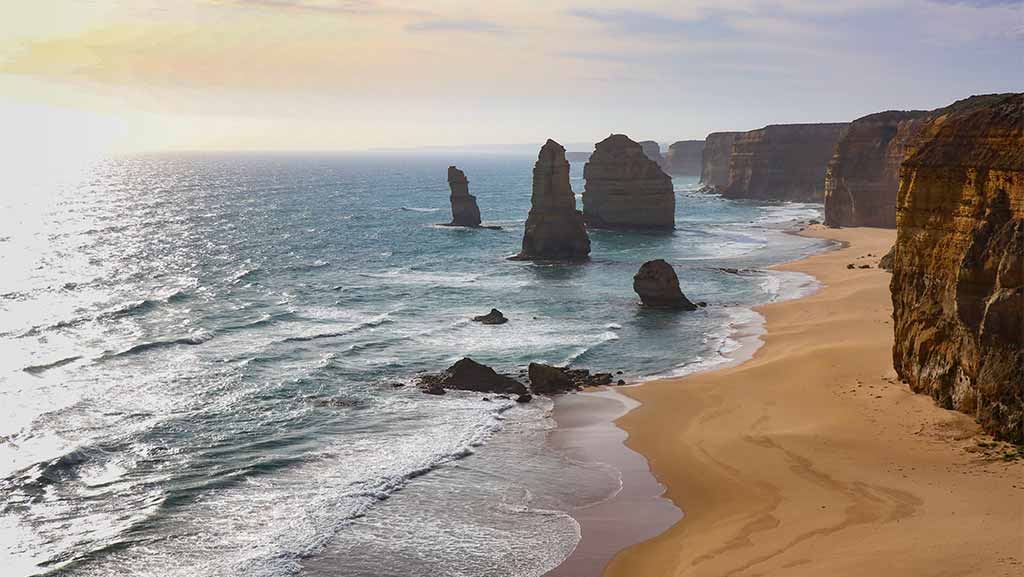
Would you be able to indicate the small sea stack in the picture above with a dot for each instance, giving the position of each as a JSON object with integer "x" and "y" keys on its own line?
{"x": 554, "y": 228}
{"x": 658, "y": 286}
{"x": 465, "y": 211}
{"x": 625, "y": 189}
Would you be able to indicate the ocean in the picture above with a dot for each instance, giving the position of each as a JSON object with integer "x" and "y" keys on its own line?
{"x": 200, "y": 353}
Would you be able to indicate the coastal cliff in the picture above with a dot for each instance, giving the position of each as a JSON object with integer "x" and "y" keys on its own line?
{"x": 684, "y": 158}
{"x": 782, "y": 162}
{"x": 958, "y": 267}
{"x": 714, "y": 171}
{"x": 465, "y": 211}
{"x": 625, "y": 189}
{"x": 554, "y": 228}
{"x": 863, "y": 175}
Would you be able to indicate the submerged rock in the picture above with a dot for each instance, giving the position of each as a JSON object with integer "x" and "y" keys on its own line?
{"x": 554, "y": 228}
{"x": 492, "y": 318}
{"x": 465, "y": 211}
{"x": 658, "y": 286}
{"x": 469, "y": 375}
{"x": 625, "y": 189}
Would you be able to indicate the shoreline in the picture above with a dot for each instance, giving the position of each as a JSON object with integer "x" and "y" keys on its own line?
{"x": 809, "y": 458}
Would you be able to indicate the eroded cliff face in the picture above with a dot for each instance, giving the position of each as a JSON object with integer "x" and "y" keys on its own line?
{"x": 863, "y": 174}
{"x": 714, "y": 172}
{"x": 958, "y": 267}
{"x": 625, "y": 189}
{"x": 782, "y": 162}
{"x": 554, "y": 228}
{"x": 684, "y": 158}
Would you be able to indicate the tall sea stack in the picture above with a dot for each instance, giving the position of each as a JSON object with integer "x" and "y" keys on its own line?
{"x": 958, "y": 266}
{"x": 554, "y": 228}
{"x": 465, "y": 211}
{"x": 684, "y": 158}
{"x": 714, "y": 171}
{"x": 782, "y": 162}
{"x": 625, "y": 189}
{"x": 864, "y": 173}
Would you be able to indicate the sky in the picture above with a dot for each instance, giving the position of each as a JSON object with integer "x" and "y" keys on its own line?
{"x": 116, "y": 76}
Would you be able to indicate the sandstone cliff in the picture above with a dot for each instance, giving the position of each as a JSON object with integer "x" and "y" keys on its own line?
{"x": 782, "y": 162}
{"x": 684, "y": 158}
{"x": 958, "y": 267}
{"x": 863, "y": 175}
{"x": 625, "y": 189}
{"x": 714, "y": 171}
{"x": 554, "y": 228}
{"x": 465, "y": 211}
{"x": 653, "y": 151}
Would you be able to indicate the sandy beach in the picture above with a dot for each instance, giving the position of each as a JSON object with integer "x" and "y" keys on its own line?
{"x": 812, "y": 459}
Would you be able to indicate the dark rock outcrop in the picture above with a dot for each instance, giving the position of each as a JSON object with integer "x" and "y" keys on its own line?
{"x": 469, "y": 375}
{"x": 554, "y": 228}
{"x": 492, "y": 318}
{"x": 958, "y": 265}
{"x": 863, "y": 175}
{"x": 714, "y": 171}
{"x": 658, "y": 286}
{"x": 685, "y": 158}
{"x": 782, "y": 162}
{"x": 465, "y": 211}
{"x": 625, "y": 189}
{"x": 551, "y": 380}
{"x": 653, "y": 151}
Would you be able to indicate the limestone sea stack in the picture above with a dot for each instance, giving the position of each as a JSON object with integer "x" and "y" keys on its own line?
{"x": 863, "y": 175}
{"x": 658, "y": 286}
{"x": 653, "y": 151}
{"x": 782, "y": 162}
{"x": 714, "y": 171}
{"x": 554, "y": 228}
{"x": 958, "y": 265}
{"x": 625, "y": 189}
{"x": 684, "y": 158}
{"x": 465, "y": 211}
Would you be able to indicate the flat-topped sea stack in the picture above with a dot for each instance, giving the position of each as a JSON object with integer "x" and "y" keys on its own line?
{"x": 554, "y": 228}
{"x": 958, "y": 266}
{"x": 653, "y": 151}
{"x": 714, "y": 171}
{"x": 625, "y": 189}
{"x": 782, "y": 162}
{"x": 684, "y": 158}
{"x": 863, "y": 176}
{"x": 465, "y": 211}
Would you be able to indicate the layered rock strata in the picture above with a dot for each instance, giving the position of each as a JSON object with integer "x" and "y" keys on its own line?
{"x": 658, "y": 287}
{"x": 782, "y": 162}
{"x": 863, "y": 175}
{"x": 554, "y": 228}
{"x": 685, "y": 158}
{"x": 465, "y": 211}
{"x": 625, "y": 189}
{"x": 958, "y": 263}
{"x": 714, "y": 172}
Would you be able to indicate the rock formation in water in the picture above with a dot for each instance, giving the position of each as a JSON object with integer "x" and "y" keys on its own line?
{"x": 625, "y": 189}
{"x": 492, "y": 318}
{"x": 653, "y": 151}
{"x": 782, "y": 162}
{"x": 863, "y": 175}
{"x": 684, "y": 158}
{"x": 465, "y": 212}
{"x": 958, "y": 266}
{"x": 554, "y": 228}
{"x": 469, "y": 375}
{"x": 658, "y": 286}
{"x": 550, "y": 380}
{"x": 714, "y": 171}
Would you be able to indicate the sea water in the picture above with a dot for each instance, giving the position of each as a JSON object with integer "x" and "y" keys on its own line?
{"x": 200, "y": 357}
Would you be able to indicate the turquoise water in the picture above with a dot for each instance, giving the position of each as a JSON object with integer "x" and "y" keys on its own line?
{"x": 198, "y": 353}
